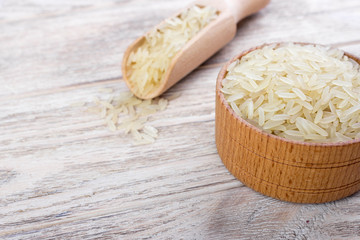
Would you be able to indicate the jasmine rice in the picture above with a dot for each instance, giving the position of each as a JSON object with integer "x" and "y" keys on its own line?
{"x": 301, "y": 92}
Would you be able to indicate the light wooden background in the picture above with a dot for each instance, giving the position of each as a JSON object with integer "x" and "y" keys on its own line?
{"x": 63, "y": 175}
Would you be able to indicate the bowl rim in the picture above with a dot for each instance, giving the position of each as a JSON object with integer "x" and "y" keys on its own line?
{"x": 221, "y": 76}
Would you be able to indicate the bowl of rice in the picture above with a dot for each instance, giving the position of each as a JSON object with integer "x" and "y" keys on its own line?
{"x": 288, "y": 121}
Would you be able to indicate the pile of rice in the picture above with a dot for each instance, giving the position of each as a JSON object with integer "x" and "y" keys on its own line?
{"x": 148, "y": 64}
{"x": 300, "y": 92}
{"x": 130, "y": 114}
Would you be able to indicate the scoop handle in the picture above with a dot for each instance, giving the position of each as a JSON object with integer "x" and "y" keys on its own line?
{"x": 239, "y": 9}
{"x": 243, "y": 8}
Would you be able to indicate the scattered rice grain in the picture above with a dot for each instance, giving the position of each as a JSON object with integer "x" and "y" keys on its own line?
{"x": 130, "y": 114}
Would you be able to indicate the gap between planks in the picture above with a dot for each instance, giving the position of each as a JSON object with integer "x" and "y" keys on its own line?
{"x": 120, "y": 79}
{"x": 82, "y": 85}
{"x": 111, "y": 211}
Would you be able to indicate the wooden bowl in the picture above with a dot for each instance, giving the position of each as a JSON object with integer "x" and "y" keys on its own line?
{"x": 288, "y": 170}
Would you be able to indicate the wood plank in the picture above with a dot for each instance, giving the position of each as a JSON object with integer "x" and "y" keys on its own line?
{"x": 87, "y": 45}
{"x": 111, "y": 185}
{"x": 64, "y": 175}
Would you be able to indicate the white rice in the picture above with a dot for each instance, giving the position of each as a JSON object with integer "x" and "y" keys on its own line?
{"x": 148, "y": 63}
{"x": 300, "y": 92}
{"x": 130, "y": 114}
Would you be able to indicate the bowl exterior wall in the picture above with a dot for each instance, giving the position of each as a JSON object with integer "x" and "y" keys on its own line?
{"x": 284, "y": 169}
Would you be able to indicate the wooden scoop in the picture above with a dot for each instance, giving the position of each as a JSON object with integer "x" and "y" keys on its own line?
{"x": 207, "y": 42}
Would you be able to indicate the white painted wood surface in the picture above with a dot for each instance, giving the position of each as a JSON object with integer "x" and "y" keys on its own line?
{"x": 63, "y": 175}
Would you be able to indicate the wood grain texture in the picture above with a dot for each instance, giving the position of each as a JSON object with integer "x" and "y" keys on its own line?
{"x": 63, "y": 175}
{"x": 284, "y": 169}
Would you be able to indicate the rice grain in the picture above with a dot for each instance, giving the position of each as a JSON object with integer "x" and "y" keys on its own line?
{"x": 130, "y": 114}
{"x": 149, "y": 62}
{"x": 301, "y": 92}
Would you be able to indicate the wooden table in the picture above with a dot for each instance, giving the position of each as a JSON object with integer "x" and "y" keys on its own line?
{"x": 64, "y": 175}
